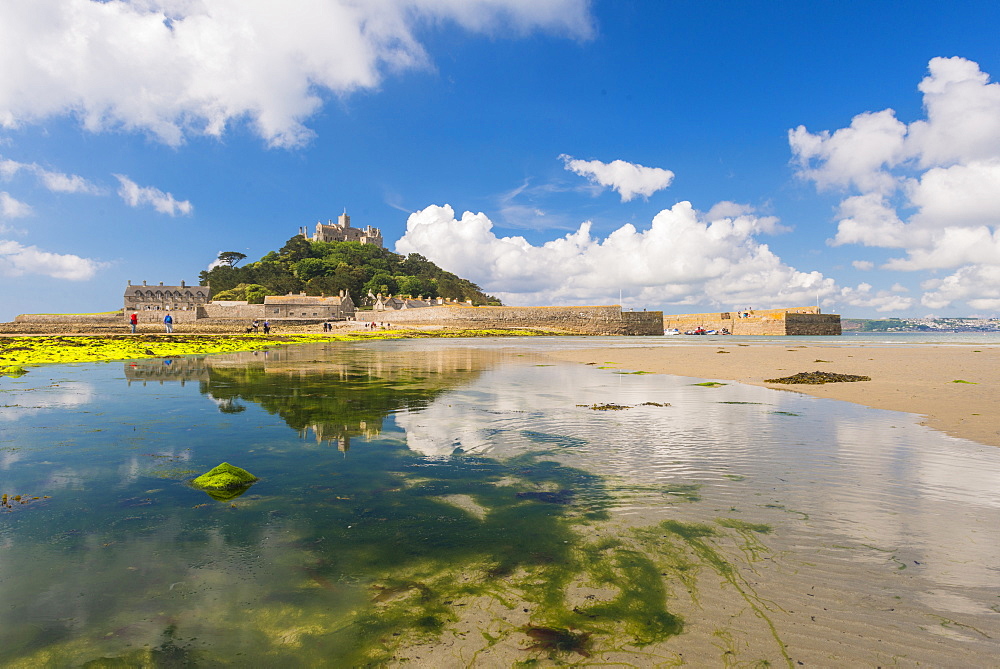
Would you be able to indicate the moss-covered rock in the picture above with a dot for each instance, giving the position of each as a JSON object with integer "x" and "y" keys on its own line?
{"x": 225, "y": 477}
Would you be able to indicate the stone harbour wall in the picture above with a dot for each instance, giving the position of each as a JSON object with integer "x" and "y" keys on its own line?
{"x": 246, "y": 312}
{"x": 769, "y": 322}
{"x": 813, "y": 324}
{"x": 609, "y": 320}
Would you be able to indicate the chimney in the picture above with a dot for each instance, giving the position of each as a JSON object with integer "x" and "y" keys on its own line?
{"x": 161, "y": 283}
{"x": 182, "y": 283}
{"x": 130, "y": 282}
{"x": 144, "y": 283}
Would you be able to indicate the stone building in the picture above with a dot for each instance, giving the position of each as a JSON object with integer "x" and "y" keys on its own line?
{"x": 341, "y": 231}
{"x": 382, "y": 302}
{"x": 340, "y": 307}
{"x": 147, "y": 298}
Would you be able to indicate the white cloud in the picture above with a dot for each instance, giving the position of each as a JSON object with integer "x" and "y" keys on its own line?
{"x": 930, "y": 188}
{"x": 57, "y": 182}
{"x": 883, "y": 301}
{"x": 628, "y": 179}
{"x": 173, "y": 67}
{"x": 135, "y": 195}
{"x": 863, "y": 265}
{"x": 681, "y": 259}
{"x": 11, "y": 208}
{"x": 977, "y": 286}
{"x": 16, "y": 260}
{"x": 855, "y": 155}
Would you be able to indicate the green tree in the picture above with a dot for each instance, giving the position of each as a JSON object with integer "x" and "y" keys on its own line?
{"x": 309, "y": 268}
{"x": 381, "y": 282}
{"x": 296, "y": 248}
{"x": 231, "y": 257}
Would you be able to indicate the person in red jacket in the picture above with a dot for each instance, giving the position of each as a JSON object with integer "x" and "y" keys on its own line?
{"x": 133, "y": 321}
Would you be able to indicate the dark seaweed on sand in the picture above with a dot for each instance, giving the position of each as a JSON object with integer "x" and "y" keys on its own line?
{"x": 816, "y": 378}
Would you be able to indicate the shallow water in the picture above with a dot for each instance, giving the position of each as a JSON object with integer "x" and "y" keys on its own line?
{"x": 455, "y": 504}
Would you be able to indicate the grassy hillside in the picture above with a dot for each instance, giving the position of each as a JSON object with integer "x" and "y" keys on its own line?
{"x": 329, "y": 267}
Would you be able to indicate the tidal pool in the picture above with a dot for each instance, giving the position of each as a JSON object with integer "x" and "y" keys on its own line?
{"x": 443, "y": 503}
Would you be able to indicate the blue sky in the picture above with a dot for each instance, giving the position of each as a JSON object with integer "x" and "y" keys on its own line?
{"x": 687, "y": 156}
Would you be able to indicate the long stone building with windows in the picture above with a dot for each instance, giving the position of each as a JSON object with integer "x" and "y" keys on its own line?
{"x": 341, "y": 231}
{"x": 149, "y": 302}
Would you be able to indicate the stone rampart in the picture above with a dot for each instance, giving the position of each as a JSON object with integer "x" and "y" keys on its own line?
{"x": 773, "y": 322}
{"x": 231, "y": 310}
{"x": 813, "y": 324}
{"x": 609, "y": 320}
{"x": 110, "y": 317}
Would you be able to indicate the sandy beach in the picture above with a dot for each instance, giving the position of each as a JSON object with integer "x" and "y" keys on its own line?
{"x": 913, "y": 379}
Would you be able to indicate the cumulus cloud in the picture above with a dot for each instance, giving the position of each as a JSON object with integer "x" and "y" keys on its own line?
{"x": 863, "y": 265}
{"x": 883, "y": 301}
{"x": 173, "y": 67}
{"x": 976, "y": 285}
{"x": 135, "y": 195}
{"x": 683, "y": 258}
{"x": 17, "y": 259}
{"x": 11, "y": 208}
{"x": 56, "y": 182}
{"x": 930, "y": 188}
{"x": 628, "y": 179}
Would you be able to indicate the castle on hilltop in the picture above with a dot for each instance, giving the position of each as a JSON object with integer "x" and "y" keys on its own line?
{"x": 341, "y": 231}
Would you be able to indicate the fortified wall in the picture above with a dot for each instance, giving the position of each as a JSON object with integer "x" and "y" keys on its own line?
{"x": 610, "y": 320}
{"x": 789, "y": 321}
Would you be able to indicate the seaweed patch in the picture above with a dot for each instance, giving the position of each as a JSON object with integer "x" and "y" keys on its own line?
{"x": 816, "y": 378}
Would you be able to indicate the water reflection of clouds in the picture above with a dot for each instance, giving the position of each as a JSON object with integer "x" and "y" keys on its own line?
{"x": 897, "y": 490}
{"x": 30, "y": 401}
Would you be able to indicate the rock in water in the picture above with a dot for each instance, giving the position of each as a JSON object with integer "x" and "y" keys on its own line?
{"x": 225, "y": 477}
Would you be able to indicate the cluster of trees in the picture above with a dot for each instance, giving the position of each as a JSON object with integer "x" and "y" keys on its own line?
{"x": 326, "y": 268}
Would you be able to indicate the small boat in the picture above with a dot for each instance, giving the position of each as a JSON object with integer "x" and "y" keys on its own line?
{"x": 672, "y": 331}
{"x": 698, "y": 331}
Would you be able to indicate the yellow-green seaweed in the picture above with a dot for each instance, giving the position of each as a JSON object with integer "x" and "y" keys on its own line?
{"x": 15, "y": 352}
{"x": 225, "y": 477}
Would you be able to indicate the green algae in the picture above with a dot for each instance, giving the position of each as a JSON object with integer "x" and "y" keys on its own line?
{"x": 709, "y": 384}
{"x": 225, "y": 482}
{"x": 961, "y": 381}
{"x": 36, "y": 350}
{"x": 683, "y": 548}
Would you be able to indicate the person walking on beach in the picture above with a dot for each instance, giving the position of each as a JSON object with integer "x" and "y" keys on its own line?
{"x": 255, "y": 325}
{"x": 267, "y": 327}
{"x": 168, "y": 321}
{"x": 133, "y": 320}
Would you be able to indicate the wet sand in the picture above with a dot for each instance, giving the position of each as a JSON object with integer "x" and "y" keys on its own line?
{"x": 913, "y": 379}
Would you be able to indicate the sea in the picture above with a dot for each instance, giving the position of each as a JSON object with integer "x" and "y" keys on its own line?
{"x": 472, "y": 502}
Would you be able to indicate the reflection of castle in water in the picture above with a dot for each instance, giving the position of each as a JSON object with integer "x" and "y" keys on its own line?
{"x": 339, "y": 435}
{"x": 327, "y": 392}
{"x": 167, "y": 369}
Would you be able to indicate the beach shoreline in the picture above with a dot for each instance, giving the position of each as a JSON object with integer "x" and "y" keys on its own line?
{"x": 953, "y": 388}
